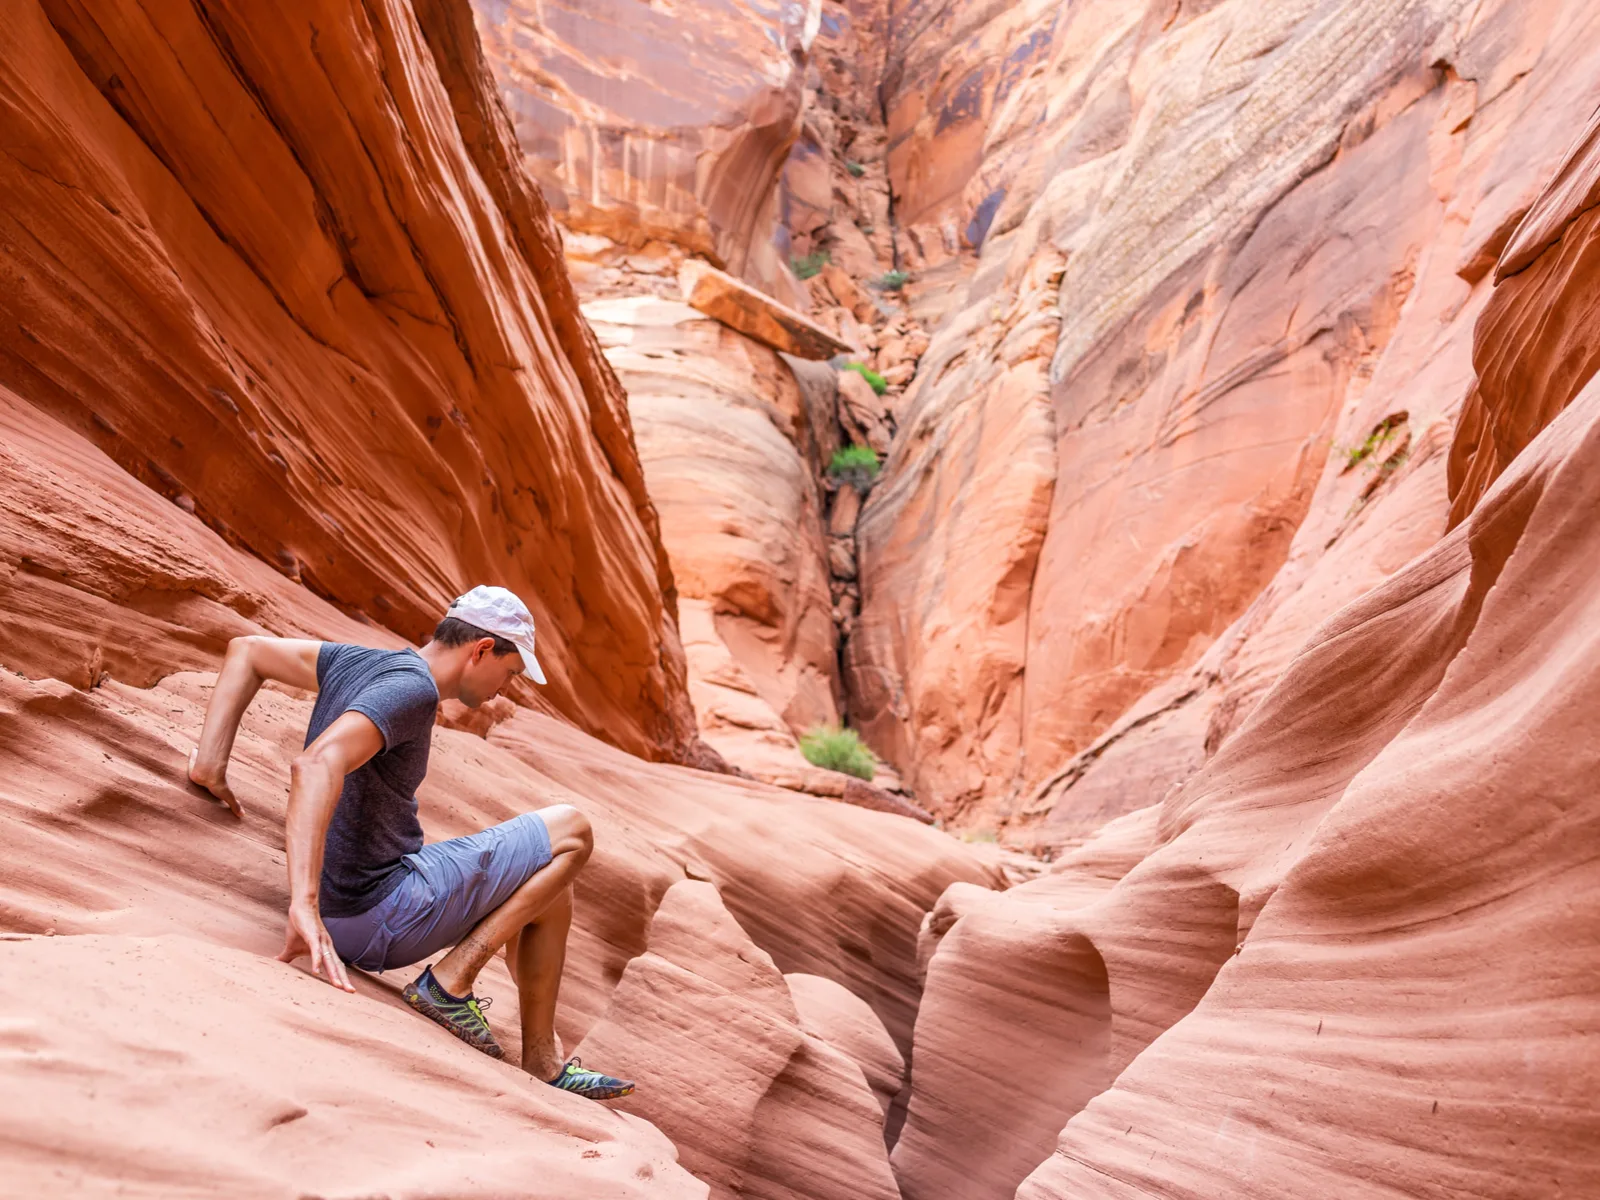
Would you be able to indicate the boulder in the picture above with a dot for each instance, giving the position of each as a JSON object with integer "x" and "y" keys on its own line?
{"x": 865, "y": 795}
{"x": 862, "y": 413}
{"x": 741, "y": 307}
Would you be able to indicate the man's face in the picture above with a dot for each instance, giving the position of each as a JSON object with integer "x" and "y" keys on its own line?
{"x": 487, "y": 673}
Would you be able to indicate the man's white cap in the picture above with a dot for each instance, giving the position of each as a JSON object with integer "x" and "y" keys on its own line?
{"x": 498, "y": 611}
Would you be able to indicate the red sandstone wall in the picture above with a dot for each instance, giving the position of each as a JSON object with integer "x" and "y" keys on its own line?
{"x": 281, "y": 265}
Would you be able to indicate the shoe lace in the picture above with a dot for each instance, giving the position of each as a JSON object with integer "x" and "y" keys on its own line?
{"x": 479, "y": 1006}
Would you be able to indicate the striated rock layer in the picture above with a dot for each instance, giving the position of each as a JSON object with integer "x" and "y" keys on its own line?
{"x": 285, "y": 270}
{"x": 1206, "y": 303}
{"x": 658, "y": 122}
{"x": 732, "y": 447}
{"x": 1274, "y": 982}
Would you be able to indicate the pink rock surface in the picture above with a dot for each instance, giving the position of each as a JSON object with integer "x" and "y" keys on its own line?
{"x": 756, "y": 1105}
{"x": 1228, "y": 383}
{"x": 843, "y": 1020}
{"x": 173, "y": 1066}
{"x": 116, "y": 847}
{"x": 1294, "y": 997}
{"x": 1376, "y": 924}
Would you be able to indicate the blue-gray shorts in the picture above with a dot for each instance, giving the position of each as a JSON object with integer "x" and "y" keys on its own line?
{"x": 448, "y": 888}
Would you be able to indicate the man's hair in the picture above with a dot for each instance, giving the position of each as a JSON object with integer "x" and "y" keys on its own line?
{"x": 453, "y": 631}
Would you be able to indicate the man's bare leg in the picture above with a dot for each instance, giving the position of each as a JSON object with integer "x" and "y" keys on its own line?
{"x": 537, "y": 955}
{"x": 540, "y": 952}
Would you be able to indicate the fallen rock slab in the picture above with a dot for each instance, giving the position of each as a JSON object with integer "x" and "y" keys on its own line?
{"x": 739, "y": 306}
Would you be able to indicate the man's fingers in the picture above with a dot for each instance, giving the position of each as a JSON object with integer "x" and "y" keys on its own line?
{"x": 289, "y": 954}
{"x": 337, "y": 965}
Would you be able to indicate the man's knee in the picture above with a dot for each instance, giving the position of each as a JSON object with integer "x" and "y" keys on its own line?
{"x": 570, "y": 831}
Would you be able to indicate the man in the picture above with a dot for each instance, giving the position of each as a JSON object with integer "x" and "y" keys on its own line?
{"x": 363, "y": 889}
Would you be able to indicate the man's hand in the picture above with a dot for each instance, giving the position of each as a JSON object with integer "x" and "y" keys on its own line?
{"x": 214, "y": 781}
{"x": 307, "y": 935}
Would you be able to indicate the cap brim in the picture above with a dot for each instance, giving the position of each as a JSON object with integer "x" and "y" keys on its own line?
{"x": 535, "y": 671}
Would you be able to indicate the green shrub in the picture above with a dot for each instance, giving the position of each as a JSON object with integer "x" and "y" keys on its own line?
{"x": 811, "y": 264}
{"x": 849, "y": 460}
{"x": 856, "y": 169}
{"x": 893, "y": 281}
{"x": 838, "y": 750}
{"x": 880, "y": 385}
{"x": 1381, "y": 434}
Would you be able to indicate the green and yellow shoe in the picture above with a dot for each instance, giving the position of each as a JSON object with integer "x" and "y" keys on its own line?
{"x": 462, "y": 1017}
{"x": 592, "y": 1084}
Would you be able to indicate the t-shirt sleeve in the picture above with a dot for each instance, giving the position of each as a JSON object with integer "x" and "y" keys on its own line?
{"x": 401, "y": 704}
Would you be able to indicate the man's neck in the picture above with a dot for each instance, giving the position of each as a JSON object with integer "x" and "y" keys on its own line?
{"x": 445, "y": 667}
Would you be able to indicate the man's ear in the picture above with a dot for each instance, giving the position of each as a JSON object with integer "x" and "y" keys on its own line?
{"x": 481, "y": 648}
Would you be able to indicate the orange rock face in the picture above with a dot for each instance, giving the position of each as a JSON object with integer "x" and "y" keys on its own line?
{"x": 742, "y": 307}
{"x": 344, "y": 342}
{"x": 731, "y": 446}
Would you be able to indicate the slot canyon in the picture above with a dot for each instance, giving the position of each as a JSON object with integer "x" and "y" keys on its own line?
{"x": 1165, "y": 432}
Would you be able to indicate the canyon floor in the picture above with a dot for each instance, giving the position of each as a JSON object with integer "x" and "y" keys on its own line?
{"x": 1220, "y": 608}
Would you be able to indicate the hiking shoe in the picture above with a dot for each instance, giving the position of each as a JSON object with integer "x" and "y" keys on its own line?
{"x": 462, "y": 1017}
{"x": 592, "y": 1084}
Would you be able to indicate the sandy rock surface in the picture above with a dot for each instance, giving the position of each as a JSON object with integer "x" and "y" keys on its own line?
{"x": 173, "y": 1066}
{"x": 117, "y": 847}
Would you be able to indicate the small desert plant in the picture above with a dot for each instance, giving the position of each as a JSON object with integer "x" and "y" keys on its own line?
{"x": 856, "y": 169}
{"x": 848, "y": 461}
{"x": 811, "y": 264}
{"x": 880, "y": 385}
{"x": 893, "y": 281}
{"x": 838, "y": 750}
{"x": 984, "y": 835}
{"x": 1380, "y": 435}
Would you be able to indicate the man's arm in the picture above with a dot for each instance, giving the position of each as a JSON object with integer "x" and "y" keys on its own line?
{"x": 249, "y": 663}
{"x": 316, "y": 778}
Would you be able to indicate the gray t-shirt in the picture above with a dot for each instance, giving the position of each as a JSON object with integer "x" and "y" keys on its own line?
{"x": 375, "y": 823}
